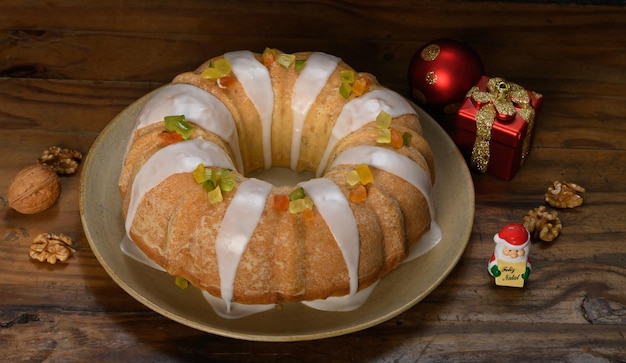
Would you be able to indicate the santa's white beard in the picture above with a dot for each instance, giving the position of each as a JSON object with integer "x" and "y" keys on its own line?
{"x": 501, "y": 256}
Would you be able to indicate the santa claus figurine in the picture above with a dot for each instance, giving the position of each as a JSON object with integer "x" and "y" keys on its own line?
{"x": 509, "y": 263}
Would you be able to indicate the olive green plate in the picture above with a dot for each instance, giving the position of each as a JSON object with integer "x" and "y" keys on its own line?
{"x": 101, "y": 214}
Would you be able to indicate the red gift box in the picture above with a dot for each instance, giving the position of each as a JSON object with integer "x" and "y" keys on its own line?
{"x": 495, "y": 126}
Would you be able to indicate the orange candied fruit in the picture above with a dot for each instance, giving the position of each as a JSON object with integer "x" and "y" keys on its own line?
{"x": 358, "y": 194}
{"x": 308, "y": 213}
{"x": 268, "y": 57}
{"x": 360, "y": 86}
{"x": 225, "y": 81}
{"x": 281, "y": 202}
{"x": 170, "y": 137}
{"x": 397, "y": 140}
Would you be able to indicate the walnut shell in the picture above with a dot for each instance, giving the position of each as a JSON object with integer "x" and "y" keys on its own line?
{"x": 34, "y": 189}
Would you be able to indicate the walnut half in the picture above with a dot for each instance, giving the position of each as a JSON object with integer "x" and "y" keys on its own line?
{"x": 564, "y": 195}
{"x": 543, "y": 224}
{"x": 51, "y": 248}
{"x": 62, "y": 161}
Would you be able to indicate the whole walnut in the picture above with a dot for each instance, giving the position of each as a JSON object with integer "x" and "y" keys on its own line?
{"x": 34, "y": 189}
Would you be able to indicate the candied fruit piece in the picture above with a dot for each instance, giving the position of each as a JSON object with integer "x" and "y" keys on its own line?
{"x": 406, "y": 138}
{"x": 360, "y": 86}
{"x": 170, "y": 137}
{"x": 281, "y": 202}
{"x": 353, "y": 178}
{"x": 383, "y": 120}
{"x": 268, "y": 56}
{"x": 199, "y": 174}
{"x": 365, "y": 174}
{"x": 397, "y": 141}
{"x": 181, "y": 282}
{"x": 178, "y": 124}
{"x": 358, "y": 194}
{"x": 219, "y": 68}
{"x": 215, "y": 195}
{"x": 383, "y": 136}
{"x": 208, "y": 185}
{"x": 297, "y": 193}
{"x": 210, "y": 73}
{"x": 223, "y": 66}
{"x": 308, "y": 213}
{"x": 345, "y": 89}
{"x": 347, "y": 76}
{"x": 225, "y": 81}
{"x": 300, "y": 64}
{"x": 285, "y": 60}
{"x": 297, "y": 206}
{"x": 227, "y": 180}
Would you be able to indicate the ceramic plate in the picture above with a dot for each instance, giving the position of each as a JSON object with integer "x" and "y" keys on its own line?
{"x": 101, "y": 214}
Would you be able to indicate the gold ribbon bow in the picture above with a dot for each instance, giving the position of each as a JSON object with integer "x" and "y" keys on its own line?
{"x": 502, "y": 100}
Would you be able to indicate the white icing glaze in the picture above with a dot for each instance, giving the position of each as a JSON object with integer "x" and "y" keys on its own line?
{"x": 343, "y": 303}
{"x": 334, "y": 208}
{"x": 428, "y": 241}
{"x": 131, "y": 250}
{"x": 310, "y": 82}
{"x": 199, "y": 107}
{"x": 361, "y": 110}
{"x": 176, "y": 158}
{"x": 234, "y": 310}
{"x": 240, "y": 221}
{"x": 256, "y": 82}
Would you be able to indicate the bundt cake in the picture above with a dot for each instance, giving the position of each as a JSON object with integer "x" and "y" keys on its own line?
{"x": 190, "y": 208}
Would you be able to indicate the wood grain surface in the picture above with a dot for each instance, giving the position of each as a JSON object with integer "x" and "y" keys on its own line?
{"x": 68, "y": 67}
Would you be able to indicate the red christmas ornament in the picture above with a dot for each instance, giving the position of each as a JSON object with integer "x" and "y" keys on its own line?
{"x": 442, "y": 72}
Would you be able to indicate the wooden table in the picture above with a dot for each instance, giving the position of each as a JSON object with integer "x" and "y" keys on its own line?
{"x": 67, "y": 68}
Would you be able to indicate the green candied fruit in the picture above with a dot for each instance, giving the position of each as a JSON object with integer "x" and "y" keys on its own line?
{"x": 227, "y": 180}
{"x": 406, "y": 138}
{"x": 300, "y": 64}
{"x": 347, "y": 76}
{"x": 297, "y": 194}
{"x": 179, "y": 125}
{"x": 345, "y": 89}
{"x": 208, "y": 185}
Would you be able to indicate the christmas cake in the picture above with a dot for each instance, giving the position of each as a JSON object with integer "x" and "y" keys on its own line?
{"x": 190, "y": 208}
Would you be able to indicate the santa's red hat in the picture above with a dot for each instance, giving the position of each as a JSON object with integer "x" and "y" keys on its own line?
{"x": 514, "y": 236}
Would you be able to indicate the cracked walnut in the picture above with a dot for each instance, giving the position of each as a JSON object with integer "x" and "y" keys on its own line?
{"x": 564, "y": 195}
{"x": 62, "y": 161}
{"x": 543, "y": 224}
{"x": 51, "y": 248}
